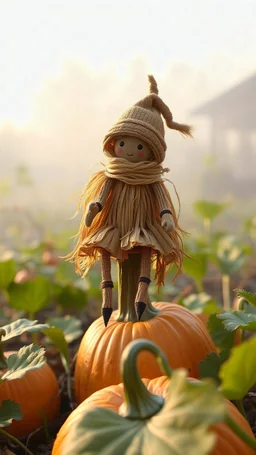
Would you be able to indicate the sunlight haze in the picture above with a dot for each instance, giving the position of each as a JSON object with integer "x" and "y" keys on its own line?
{"x": 68, "y": 69}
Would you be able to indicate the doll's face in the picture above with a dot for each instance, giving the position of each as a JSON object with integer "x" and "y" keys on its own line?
{"x": 132, "y": 149}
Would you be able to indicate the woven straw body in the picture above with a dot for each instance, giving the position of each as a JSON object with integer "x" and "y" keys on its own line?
{"x": 130, "y": 218}
{"x": 133, "y": 227}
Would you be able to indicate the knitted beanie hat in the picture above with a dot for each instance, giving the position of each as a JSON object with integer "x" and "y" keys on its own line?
{"x": 144, "y": 121}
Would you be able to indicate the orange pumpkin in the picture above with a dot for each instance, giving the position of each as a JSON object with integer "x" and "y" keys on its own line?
{"x": 178, "y": 333}
{"x": 112, "y": 397}
{"x": 38, "y": 395}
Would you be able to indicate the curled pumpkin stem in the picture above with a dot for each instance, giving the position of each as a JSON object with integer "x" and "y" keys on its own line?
{"x": 139, "y": 403}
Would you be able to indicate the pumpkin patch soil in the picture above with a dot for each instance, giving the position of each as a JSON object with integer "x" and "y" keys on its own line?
{"x": 41, "y": 443}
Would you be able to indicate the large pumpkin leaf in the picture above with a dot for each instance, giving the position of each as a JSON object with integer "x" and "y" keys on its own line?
{"x": 249, "y": 296}
{"x": 208, "y": 209}
{"x": 20, "y": 326}
{"x": 66, "y": 272}
{"x": 180, "y": 427}
{"x": 233, "y": 320}
{"x": 196, "y": 267}
{"x": 229, "y": 256}
{"x": 28, "y": 358}
{"x": 7, "y": 273}
{"x": 70, "y": 326}
{"x": 9, "y": 410}
{"x": 220, "y": 335}
{"x": 55, "y": 334}
{"x": 200, "y": 303}
{"x": 238, "y": 374}
{"x": 30, "y": 296}
{"x": 72, "y": 297}
{"x": 210, "y": 366}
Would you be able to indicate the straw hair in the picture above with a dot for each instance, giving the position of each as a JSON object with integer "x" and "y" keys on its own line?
{"x": 130, "y": 217}
{"x": 144, "y": 120}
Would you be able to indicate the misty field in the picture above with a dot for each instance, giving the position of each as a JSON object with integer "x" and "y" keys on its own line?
{"x": 218, "y": 284}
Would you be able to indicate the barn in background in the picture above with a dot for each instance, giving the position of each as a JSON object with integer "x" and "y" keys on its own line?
{"x": 232, "y": 146}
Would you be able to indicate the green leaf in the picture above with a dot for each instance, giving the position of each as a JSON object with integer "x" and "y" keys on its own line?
{"x": 207, "y": 209}
{"x": 220, "y": 335}
{"x": 66, "y": 272}
{"x": 229, "y": 256}
{"x": 233, "y": 320}
{"x": 250, "y": 227}
{"x": 22, "y": 175}
{"x": 28, "y": 358}
{"x": 200, "y": 303}
{"x": 181, "y": 424}
{"x": 92, "y": 284}
{"x": 70, "y": 326}
{"x": 20, "y": 326}
{"x": 210, "y": 366}
{"x": 30, "y": 296}
{"x": 238, "y": 374}
{"x": 7, "y": 273}
{"x": 249, "y": 296}
{"x": 9, "y": 410}
{"x": 72, "y": 297}
{"x": 197, "y": 266}
{"x": 58, "y": 339}
{"x": 5, "y": 187}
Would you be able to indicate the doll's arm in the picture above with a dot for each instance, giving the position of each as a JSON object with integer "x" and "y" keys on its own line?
{"x": 167, "y": 221}
{"x": 97, "y": 206}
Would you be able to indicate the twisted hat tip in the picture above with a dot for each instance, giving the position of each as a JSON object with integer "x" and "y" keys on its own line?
{"x": 186, "y": 130}
{"x": 152, "y": 84}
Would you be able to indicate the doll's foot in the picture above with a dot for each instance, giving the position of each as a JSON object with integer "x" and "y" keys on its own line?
{"x": 107, "y": 309}
{"x": 142, "y": 296}
{"x": 106, "y": 313}
{"x": 140, "y": 308}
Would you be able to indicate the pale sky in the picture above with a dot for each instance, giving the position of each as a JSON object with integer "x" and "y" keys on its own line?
{"x": 68, "y": 69}
{"x": 38, "y": 36}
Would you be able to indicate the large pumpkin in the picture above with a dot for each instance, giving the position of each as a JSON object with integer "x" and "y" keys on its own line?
{"x": 38, "y": 395}
{"x": 178, "y": 333}
{"x": 112, "y": 398}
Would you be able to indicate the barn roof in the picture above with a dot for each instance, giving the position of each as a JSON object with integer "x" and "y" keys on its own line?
{"x": 235, "y": 107}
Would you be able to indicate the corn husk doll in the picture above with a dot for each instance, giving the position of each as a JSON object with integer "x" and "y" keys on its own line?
{"x": 127, "y": 207}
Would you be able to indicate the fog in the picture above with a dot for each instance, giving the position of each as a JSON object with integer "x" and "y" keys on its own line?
{"x": 60, "y": 145}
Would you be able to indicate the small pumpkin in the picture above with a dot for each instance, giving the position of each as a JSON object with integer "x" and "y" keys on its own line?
{"x": 178, "y": 332}
{"x": 37, "y": 392}
{"x": 141, "y": 403}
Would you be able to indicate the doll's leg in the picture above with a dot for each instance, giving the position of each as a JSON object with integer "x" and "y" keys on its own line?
{"x": 144, "y": 281}
{"x": 106, "y": 286}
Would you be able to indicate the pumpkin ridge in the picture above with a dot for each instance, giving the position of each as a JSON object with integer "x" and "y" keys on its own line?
{"x": 179, "y": 333}
{"x": 38, "y": 385}
{"x": 83, "y": 364}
